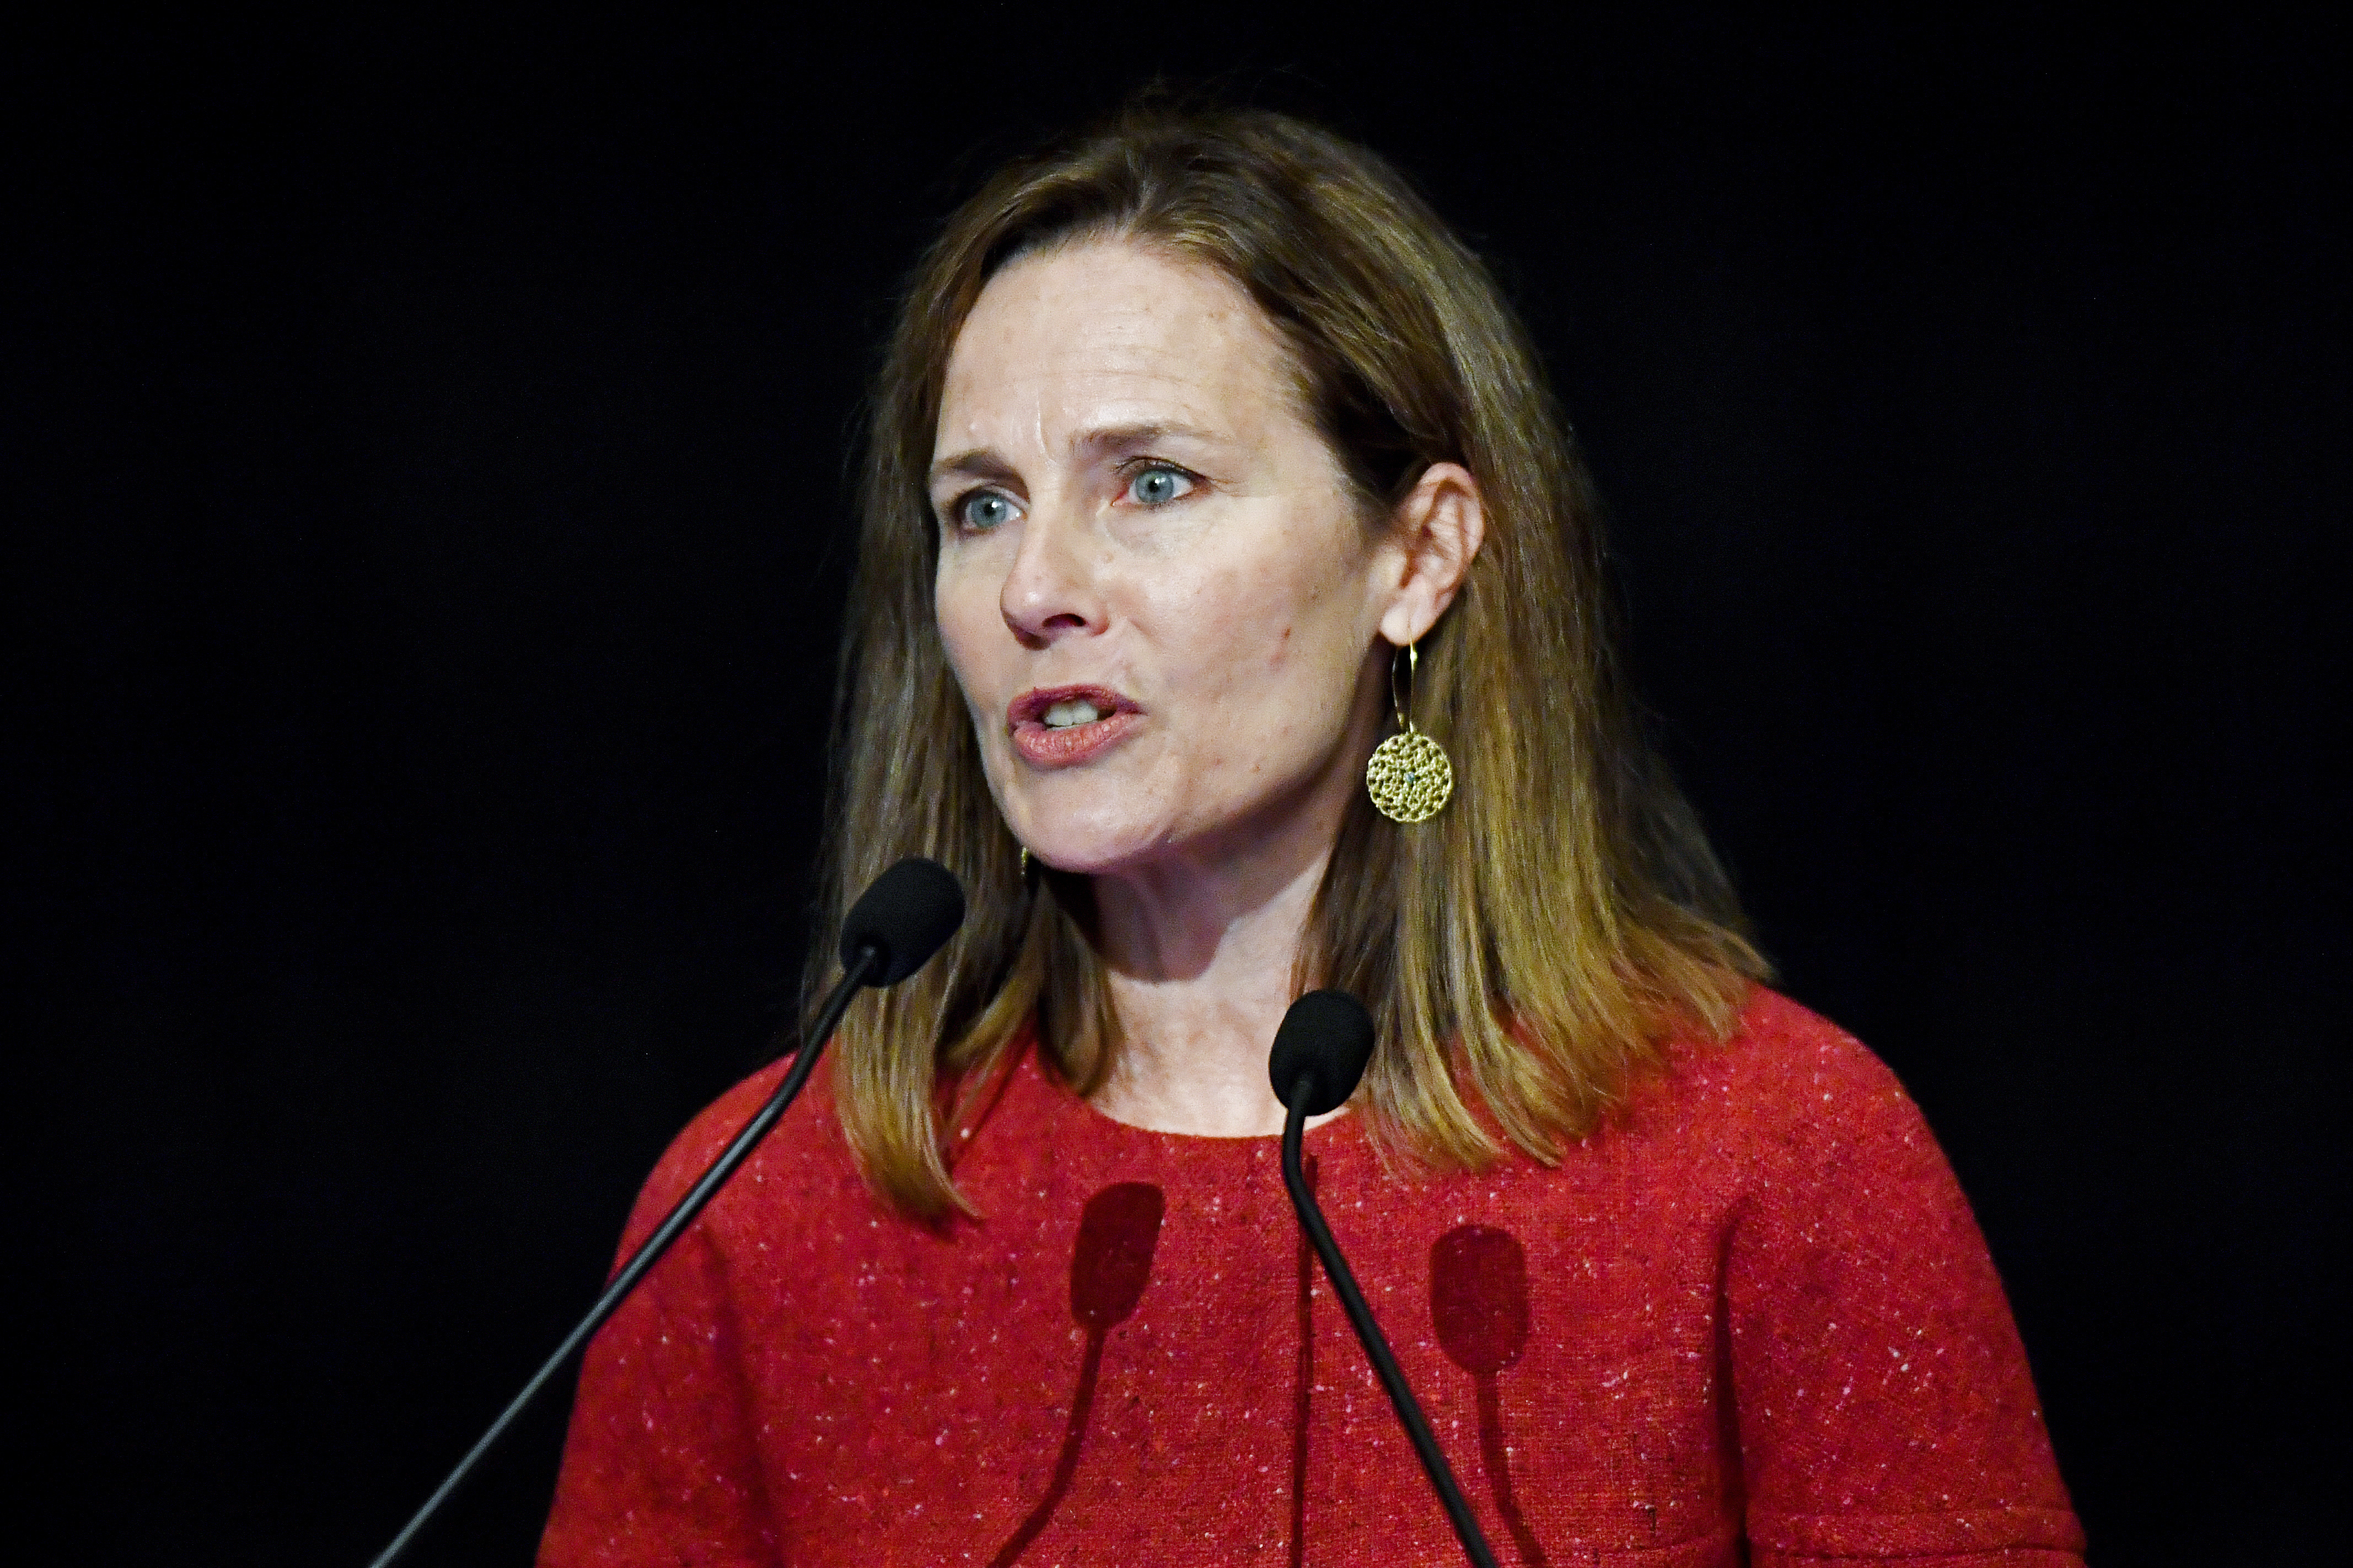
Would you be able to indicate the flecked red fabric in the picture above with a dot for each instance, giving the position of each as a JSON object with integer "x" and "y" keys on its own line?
{"x": 1749, "y": 1320}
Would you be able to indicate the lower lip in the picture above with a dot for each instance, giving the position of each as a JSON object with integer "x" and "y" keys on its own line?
{"x": 1073, "y": 743}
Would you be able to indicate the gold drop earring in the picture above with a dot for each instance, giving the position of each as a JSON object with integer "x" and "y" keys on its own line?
{"x": 1408, "y": 776}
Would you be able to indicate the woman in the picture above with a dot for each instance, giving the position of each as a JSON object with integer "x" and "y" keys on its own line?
{"x": 1204, "y": 458}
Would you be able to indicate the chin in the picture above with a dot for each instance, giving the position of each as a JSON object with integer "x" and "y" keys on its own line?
{"x": 1094, "y": 854}
{"x": 1087, "y": 837}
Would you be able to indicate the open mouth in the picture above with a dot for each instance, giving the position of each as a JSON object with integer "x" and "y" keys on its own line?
{"x": 1066, "y": 706}
{"x": 1055, "y": 726}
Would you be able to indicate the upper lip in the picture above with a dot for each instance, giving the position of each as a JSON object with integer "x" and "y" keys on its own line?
{"x": 1031, "y": 705}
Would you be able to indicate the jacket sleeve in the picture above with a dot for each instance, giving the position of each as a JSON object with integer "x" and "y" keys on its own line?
{"x": 1885, "y": 1406}
{"x": 661, "y": 1464}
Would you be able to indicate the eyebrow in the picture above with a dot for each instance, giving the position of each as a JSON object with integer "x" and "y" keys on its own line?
{"x": 980, "y": 463}
{"x": 984, "y": 462}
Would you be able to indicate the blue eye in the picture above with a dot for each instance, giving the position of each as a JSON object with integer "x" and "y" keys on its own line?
{"x": 1156, "y": 486}
{"x": 982, "y": 511}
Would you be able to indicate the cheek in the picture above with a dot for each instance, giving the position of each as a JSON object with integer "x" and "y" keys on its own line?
{"x": 965, "y": 608}
{"x": 1269, "y": 639}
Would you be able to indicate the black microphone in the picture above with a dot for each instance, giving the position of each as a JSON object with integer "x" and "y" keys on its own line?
{"x": 905, "y": 917}
{"x": 892, "y": 930}
{"x": 1320, "y": 1053}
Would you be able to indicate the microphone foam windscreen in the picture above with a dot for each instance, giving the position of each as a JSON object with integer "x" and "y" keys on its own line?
{"x": 909, "y": 913}
{"x": 1327, "y": 1035}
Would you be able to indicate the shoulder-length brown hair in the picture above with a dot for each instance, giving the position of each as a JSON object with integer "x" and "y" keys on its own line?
{"x": 1523, "y": 951}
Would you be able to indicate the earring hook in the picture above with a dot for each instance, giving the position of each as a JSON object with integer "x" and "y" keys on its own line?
{"x": 1402, "y": 699}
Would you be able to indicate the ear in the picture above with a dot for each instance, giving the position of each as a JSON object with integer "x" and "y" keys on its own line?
{"x": 1434, "y": 534}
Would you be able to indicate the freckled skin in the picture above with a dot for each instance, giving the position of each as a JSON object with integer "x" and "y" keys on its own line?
{"x": 1242, "y": 616}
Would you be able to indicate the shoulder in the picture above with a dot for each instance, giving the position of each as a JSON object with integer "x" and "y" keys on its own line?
{"x": 1882, "y": 1393}
{"x": 804, "y": 1157}
{"x": 1788, "y": 1086}
{"x": 1781, "y": 1057}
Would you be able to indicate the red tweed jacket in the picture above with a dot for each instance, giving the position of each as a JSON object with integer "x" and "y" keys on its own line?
{"x": 1749, "y": 1320}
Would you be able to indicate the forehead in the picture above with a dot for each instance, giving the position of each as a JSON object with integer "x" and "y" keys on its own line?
{"x": 1112, "y": 332}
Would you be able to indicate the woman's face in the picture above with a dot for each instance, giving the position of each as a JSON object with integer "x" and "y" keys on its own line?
{"x": 1158, "y": 594}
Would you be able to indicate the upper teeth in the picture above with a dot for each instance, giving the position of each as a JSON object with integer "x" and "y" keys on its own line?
{"x": 1062, "y": 715}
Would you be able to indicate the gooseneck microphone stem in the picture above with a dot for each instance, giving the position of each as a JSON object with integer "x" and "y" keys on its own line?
{"x": 864, "y": 965}
{"x": 1369, "y": 1332}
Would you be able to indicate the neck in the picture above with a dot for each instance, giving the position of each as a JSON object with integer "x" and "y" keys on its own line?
{"x": 1199, "y": 955}
{"x": 1199, "y": 945}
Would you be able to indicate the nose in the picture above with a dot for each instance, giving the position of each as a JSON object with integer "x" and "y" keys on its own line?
{"x": 1052, "y": 591}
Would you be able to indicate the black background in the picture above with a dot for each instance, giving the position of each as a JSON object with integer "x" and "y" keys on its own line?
{"x": 427, "y": 510}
